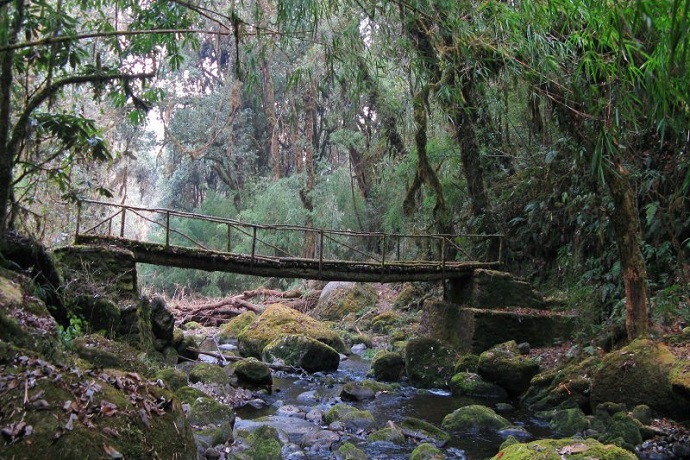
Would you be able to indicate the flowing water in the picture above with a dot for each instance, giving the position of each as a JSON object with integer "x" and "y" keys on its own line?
{"x": 429, "y": 405}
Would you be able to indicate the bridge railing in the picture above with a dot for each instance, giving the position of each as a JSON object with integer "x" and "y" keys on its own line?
{"x": 177, "y": 228}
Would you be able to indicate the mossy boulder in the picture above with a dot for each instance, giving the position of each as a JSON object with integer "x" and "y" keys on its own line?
{"x": 189, "y": 394}
{"x": 640, "y": 373}
{"x": 467, "y": 363}
{"x": 205, "y": 411}
{"x": 505, "y": 366}
{"x": 421, "y": 429}
{"x": 472, "y": 385}
{"x": 387, "y": 321}
{"x": 340, "y": 299}
{"x": 390, "y": 434}
{"x": 557, "y": 449}
{"x": 569, "y": 422}
{"x": 336, "y": 412}
{"x": 173, "y": 378}
{"x": 162, "y": 320}
{"x": 232, "y": 329}
{"x": 474, "y": 418}
{"x": 348, "y": 451}
{"x": 253, "y": 372}
{"x": 387, "y": 366}
{"x": 208, "y": 373}
{"x": 411, "y": 297}
{"x": 426, "y": 451}
{"x": 75, "y": 413}
{"x": 279, "y": 320}
{"x": 622, "y": 430}
{"x": 353, "y": 391}
{"x": 358, "y": 421}
{"x": 302, "y": 351}
{"x": 567, "y": 387}
{"x": 428, "y": 363}
{"x": 263, "y": 444}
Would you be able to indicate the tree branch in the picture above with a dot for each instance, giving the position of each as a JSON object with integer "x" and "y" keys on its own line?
{"x": 20, "y": 127}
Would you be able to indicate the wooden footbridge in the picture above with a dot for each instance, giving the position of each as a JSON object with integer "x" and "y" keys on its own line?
{"x": 186, "y": 240}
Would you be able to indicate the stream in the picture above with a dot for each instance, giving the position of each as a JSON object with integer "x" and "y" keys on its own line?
{"x": 322, "y": 391}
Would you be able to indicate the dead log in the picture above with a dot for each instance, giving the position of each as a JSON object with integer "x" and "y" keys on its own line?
{"x": 275, "y": 367}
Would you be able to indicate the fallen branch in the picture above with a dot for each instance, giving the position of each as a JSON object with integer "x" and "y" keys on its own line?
{"x": 230, "y": 358}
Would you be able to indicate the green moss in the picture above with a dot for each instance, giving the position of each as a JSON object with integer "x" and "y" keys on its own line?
{"x": 387, "y": 434}
{"x": 474, "y": 418}
{"x": 425, "y": 429}
{"x": 208, "y": 411}
{"x": 467, "y": 363}
{"x": 189, "y": 394}
{"x": 265, "y": 443}
{"x": 410, "y": 297}
{"x": 429, "y": 363}
{"x": 623, "y": 428}
{"x": 192, "y": 326}
{"x": 505, "y": 366}
{"x": 470, "y": 384}
{"x": 426, "y": 451}
{"x": 279, "y": 320}
{"x": 336, "y": 412}
{"x": 386, "y": 321}
{"x": 302, "y": 351}
{"x": 102, "y": 352}
{"x": 563, "y": 388}
{"x": 351, "y": 299}
{"x": 387, "y": 366}
{"x": 569, "y": 422}
{"x": 173, "y": 378}
{"x": 233, "y": 328}
{"x": 556, "y": 449}
{"x": 208, "y": 373}
{"x": 349, "y": 451}
{"x": 253, "y": 371}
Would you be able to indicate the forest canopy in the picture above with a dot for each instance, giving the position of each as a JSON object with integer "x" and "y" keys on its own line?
{"x": 563, "y": 124}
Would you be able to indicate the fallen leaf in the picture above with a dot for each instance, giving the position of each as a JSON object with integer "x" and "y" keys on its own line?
{"x": 112, "y": 432}
{"x": 573, "y": 449}
{"x": 69, "y": 426}
{"x": 108, "y": 409}
{"x": 112, "y": 452}
{"x": 144, "y": 418}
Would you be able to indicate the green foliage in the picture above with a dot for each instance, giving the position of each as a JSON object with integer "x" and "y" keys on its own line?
{"x": 67, "y": 335}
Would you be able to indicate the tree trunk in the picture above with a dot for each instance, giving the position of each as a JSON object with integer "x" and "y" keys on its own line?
{"x": 271, "y": 120}
{"x": 7, "y": 155}
{"x": 305, "y": 194}
{"x": 626, "y": 226}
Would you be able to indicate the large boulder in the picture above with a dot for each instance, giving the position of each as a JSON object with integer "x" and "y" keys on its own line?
{"x": 640, "y": 373}
{"x": 505, "y": 366}
{"x": 301, "y": 351}
{"x": 339, "y": 299}
{"x": 387, "y": 366}
{"x": 278, "y": 320}
{"x": 472, "y": 385}
{"x": 429, "y": 363}
{"x": 557, "y": 449}
{"x": 253, "y": 371}
{"x": 162, "y": 320}
{"x": 474, "y": 418}
{"x": 567, "y": 387}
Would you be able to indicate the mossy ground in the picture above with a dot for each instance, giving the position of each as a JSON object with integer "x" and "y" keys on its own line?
{"x": 557, "y": 449}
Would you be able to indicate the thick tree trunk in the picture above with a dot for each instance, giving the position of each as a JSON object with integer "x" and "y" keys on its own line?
{"x": 7, "y": 155}
{"x": 626, "y": 226}
{"x": 271, "y": 120}
{"x": 305, "y": 194}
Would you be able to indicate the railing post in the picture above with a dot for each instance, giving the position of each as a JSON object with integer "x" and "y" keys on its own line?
{"x": 76, "y": 232}
{"x": 500, "y": 249}
{"x": 383, "y": 252}
{"x": 397, "y": 252}
{"x": 251, "y": 263}
{"x": 320, "y": 251}
{"x": 167, "y": 228}
{"x": 122, "y": 223}
{"x": 229, "y": 246}
{"x": 443, "y": 256}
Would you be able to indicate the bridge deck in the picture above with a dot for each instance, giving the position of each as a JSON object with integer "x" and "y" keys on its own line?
{"x": 287, "y": 267}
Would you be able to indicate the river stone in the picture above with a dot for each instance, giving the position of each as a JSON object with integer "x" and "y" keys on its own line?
{"x": 253, "y": 371}
{"x": 505, "y": 366}
{"x": 348, "y": 451}
{"x": 208, "y": 411}
{"x": 287, "y": 429}
{"x": 622, "y": 428}
{"x": 390, "y": 434}
{"x": 355, "y": 392}
{"x": 429, "y": 363}
{"x": 358, "y": 420}
{"x": 208, "y": 373}
{"x": 421, "y": 429}
{"x": 339, "y": 299}
{"x": 278, "y": 320}
{"x": 557, "y": 449}
{"x": 388, "y": 366}
{"x": 471, "y": 384}
{"x": 319, "y": 439}
{"x": 474, "y": 418}
{"x": 426, "y": 451}
{"x": 302, "y": 351}
{"x": 640, "y": 373}
{"x": 569, "y": 422}
{"x": 563, "y": 388}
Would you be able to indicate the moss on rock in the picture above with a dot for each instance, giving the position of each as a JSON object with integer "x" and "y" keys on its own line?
{"x": 428, "y": 363}
{"x": 569, "y": 422}
{"x": 388, "y": 366}
{"x": 426, "y": 451}
{"x": 233, "y": 328}
{"x": 557, "y": 449}
{"x": 474, "y": 418}
{"x": 278, "y": 320}
{"x": 505, "y": 366}
{"x": 640, "y": 373}
{"x": 208, "y": 373}
{"x": 253, "y": 371}
{"x": 389, "y": 434}
{"x": 470, "y": 384}
{"x": 302, "y": 351}
{"x": 425, "y": 430}
{"x": 349, "y": 451}
{"x": 173, "y": 378}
